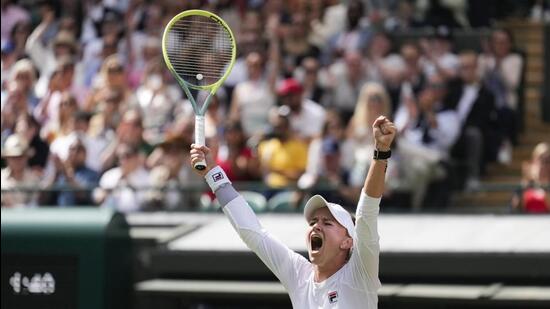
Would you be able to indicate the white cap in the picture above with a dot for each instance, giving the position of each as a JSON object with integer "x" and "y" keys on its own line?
{"x": 338, "y": 212}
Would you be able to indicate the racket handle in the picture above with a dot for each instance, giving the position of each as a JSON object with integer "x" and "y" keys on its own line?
{"x": 199, "y": 139}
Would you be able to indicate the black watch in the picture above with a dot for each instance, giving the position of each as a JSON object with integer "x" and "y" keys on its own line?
{"x": 381, "y": 155}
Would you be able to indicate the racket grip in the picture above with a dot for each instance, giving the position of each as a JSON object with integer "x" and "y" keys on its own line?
{"x": 199, "y": 139}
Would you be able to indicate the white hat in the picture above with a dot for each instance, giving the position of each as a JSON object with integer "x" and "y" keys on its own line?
{"x": 15, "y": 146}
{"x": 338, "y": 212}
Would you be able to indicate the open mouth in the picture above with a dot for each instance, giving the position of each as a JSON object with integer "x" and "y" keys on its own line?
{"x": 316, "y": 242}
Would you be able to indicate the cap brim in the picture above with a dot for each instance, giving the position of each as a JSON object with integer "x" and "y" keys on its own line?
{"x": 314, "y": 203}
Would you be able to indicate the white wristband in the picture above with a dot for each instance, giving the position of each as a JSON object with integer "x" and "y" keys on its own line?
{"x": 216, "y": 177}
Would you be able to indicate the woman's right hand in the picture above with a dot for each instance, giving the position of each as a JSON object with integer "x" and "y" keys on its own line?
{"x": 199, "y": 153}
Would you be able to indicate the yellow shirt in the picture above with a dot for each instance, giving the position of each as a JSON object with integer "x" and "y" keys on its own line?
{"x": 280, "y": 157}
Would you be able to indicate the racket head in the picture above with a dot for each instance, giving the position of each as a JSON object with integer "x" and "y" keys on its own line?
{"x": 199, "y": 49}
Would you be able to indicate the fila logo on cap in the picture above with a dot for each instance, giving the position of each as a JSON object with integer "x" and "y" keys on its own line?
{"x": 333, "y": 297}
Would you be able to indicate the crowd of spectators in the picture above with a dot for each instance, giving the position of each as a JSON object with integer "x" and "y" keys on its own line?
{"x": 91, "y": 116}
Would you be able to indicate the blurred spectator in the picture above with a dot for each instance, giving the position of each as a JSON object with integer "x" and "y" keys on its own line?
{"x": 283, "y": 157}
{"x": 172, "y": 175}
{"x": 46, "y": 52}
{"x": 19, "y": 35}
{"x": 438, "y": 54}
{"x": 440, "y": 14}
{"x": 427, "y": 131}
{"x": 328, "y": 20}
{"x": 414, "y": 78}
{"x": 59, "y": 84}
{"x": 14, "y": 105}
{"x": 373, "y": 102}
{"x": 24, "y": 74}
{"x": 346, "y": 79}
{"x": 56, "y": 128}
{"x": 235, "y": 157}
{"x": 9, "y": 58}
{"x": 124, "y": 188}
{"x": 71, "y": 176}
{"x": 502, "y": 69}
{"x": 475, "y": 104}
{"x": 159, "y": 105}
{"x": 29, "y": 129}
{"x": 403, "y": 19}
{"x": 295, "y": 44}
{"x": 150, "y": 52}
{"x": 17, "y": 176}
{"x": 11, "y": 15}
{"x": 308, "y": 73}
{"x": 355, "y": 37}
{"x": 253, "y": 98}
{"x": 328, "y": 163}
{"x": 306, "y": 117}
{"x": 112, "y": 76}
{"x": 534, "y": 197}
{"x": 128, "y": 132}
{"x": 384, "y": 65}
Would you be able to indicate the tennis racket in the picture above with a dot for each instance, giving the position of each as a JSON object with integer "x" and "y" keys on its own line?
{"x": 199, "y": 50}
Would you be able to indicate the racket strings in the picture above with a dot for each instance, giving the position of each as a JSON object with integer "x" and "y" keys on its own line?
{"x": 199, "y": 49}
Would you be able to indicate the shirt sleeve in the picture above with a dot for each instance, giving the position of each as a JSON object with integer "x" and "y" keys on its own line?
{"x": 283, "y": 262}
{"x": 365, "y": 257}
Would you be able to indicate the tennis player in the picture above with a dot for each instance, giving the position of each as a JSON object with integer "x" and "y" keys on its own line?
{"x": 342, "y": 271}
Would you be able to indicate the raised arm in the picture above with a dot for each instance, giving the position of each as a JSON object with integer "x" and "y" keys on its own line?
{"x": 367, "y": 247}
{"x": 384, "y": 133}
{"x": 282, "y": 261}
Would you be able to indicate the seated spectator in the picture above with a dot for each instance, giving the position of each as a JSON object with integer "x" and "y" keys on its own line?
{"x": 72, "y": 177}
{"x": 329, "y": 162}
{"x": 502, "y": 70}
{"x": 253, "y": 98}
{"x": 427, "y": 131}
{"x": 63, "y": 124}
{"x": 295, "y": 44}
{"x": 438, "y": 55}
{"x": 403, "y": 19}
{"x": 309, "y": 75}
{"x": 534, "y": 196}
{"x": 355, "y": 37}
{"x": 124, "y": 188}
{"x": 14, "y": 105}
{"x": 283, "y": 157}
{"x": 306, "y": 117}
{"x": 60, "y": 82}
{"x": 17, "y": 178}
{"x": 373, "y": 102}
{"x": 475, "y": 104}
{"x": 12, "y": 13}
{"x": 346, "y": 78}
{"x": 129, "y": 132}
{"x": 24, "y": 74}
{"x": 28, "y": 128}
{"x": 156, "y": 101}
{"x": 171, "y": 175}
{"x": 235, "y": 157}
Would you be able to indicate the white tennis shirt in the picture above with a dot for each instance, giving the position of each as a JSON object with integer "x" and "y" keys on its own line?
{"x": 355, "y": 285}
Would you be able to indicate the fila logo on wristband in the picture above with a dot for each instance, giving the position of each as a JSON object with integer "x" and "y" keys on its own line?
{"x": 217, "y": 177}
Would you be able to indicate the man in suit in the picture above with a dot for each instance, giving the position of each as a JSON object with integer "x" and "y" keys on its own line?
{"x": 477, "y": 113}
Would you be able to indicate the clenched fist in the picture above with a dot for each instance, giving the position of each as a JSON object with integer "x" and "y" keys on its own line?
{"x": 384, "y": 132}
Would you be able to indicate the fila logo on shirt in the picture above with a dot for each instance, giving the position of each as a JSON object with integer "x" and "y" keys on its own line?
{"x": 217, "y": 177}
{"x": 333, "y": 297}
